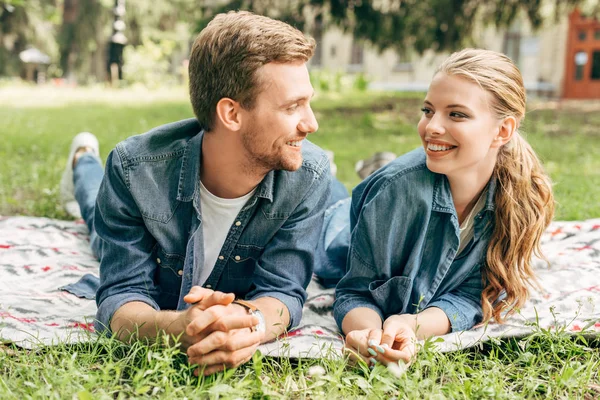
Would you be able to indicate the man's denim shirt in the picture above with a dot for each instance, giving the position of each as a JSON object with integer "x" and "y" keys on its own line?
{"x": 149, "y": 223}
{"x": 403, "y": 246}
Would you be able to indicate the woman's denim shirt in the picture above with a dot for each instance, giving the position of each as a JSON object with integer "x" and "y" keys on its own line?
{"x": 149, "y": 223}
{"x": 404, "y": 239}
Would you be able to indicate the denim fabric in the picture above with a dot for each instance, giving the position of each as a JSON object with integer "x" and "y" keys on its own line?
{"x": 87, "y": 176}
{"x": 332, "y": 250}
{"x": 85, "y": 288}
{"x": 149, "y": 220}
{"x": 401, "y": 246}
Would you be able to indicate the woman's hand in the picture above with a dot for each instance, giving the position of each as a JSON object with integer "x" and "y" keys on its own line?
{"x": 398, "y": 339}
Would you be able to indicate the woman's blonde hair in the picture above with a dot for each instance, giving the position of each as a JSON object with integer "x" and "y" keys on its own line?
{"x": 524, "y": 204}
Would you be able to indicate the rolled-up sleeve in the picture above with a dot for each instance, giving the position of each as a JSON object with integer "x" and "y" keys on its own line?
{"x": 353, "y": 289}
{"x": 285, "y": 267}
{"x": 462, "y": 305}
{"x": 126, "y": 266}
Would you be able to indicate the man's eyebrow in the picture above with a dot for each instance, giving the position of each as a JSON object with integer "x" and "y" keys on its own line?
{"x": 300, "y": 98}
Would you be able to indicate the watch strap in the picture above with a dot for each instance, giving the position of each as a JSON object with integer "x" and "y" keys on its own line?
{"x": 247, "y": 305}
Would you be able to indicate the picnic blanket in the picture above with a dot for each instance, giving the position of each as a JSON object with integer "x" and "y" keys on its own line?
{"x": 39, "y": 255}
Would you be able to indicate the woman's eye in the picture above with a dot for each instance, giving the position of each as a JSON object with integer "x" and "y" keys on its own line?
{"x": 457, "y": 115}
{"x": 426, "y": 110}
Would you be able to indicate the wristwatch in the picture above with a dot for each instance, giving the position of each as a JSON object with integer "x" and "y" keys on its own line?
{"x": 252, "y": 310}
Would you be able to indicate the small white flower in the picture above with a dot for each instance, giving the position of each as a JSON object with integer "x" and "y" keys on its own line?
{"x": 316, "y": 370}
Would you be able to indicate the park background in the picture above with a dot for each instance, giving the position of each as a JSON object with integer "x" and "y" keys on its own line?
{"x": 118, "y": 68}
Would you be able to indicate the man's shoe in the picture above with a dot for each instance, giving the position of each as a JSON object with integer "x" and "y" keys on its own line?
{"x": 366, "y": 167}
{"x": 67, "y": 191}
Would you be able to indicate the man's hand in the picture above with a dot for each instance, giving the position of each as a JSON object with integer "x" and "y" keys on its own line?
{"x": 205, "y": 298}
{"x": 223, "y": 336}
{"x": 198, "y": 315}
{"x": 222, "y": 349}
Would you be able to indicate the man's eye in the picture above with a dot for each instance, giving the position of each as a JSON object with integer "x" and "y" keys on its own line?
{"x": 293, "y": 107}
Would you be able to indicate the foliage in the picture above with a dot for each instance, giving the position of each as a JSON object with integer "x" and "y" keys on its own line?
{"x": 543, "y": 365}
{"x": 79, "y": 33}
{"x": 21, "y": 27}
{"x": 75, "y": 33}
{"x": 36, "y": 132}
{"x": 149, "y": 63}
{"x": 338, "y": 82}
{"x": 402, "y": 25}
{"x": 37, "y": 127}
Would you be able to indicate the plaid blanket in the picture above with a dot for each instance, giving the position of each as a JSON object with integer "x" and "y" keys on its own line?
{"x": 39, "y": 255}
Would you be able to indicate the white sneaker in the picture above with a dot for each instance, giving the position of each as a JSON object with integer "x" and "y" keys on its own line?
{"x": 67, "y": 191}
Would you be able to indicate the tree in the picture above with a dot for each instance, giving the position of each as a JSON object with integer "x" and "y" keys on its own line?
{"x": 21, "y": 25}
{"x": 441, "y": 25}
{"x": 80, "y": 33}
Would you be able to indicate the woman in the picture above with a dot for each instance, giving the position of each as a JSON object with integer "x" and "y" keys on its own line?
{"x": 442, "y": 237}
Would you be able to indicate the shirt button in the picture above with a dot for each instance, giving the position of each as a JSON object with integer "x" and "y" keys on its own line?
{"x": 237, "y": 258}
{"x": 237, "y": 223}
{"x": 221, "y": 258}
{"x": 180, "y": 272}
{"x": 158, "y": 260}
{"x": 208, "y": 286}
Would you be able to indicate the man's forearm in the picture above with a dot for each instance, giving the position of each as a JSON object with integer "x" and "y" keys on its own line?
{"x": 137, "y": 320}
{"x": 277, "y": 316}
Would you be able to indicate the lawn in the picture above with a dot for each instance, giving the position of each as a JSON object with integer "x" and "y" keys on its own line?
{"x": 35, "y": 133}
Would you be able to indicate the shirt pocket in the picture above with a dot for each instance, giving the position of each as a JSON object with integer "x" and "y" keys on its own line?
{"x": 169, "y": 272}
{"x": 391, "y": 295}
{"x": 242, "y": 262}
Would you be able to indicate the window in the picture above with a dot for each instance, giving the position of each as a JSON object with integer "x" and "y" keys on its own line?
{"x": 597, "y": 34}
{"x": 581, "y": 36}
{"x": 356, "y": 58}
{"x": 595, "y": 75}
{"x": 357, "y": 55}
{"x": 581, "y": 59}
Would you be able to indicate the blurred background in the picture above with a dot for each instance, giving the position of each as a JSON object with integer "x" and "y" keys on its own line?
{"x": 378, "y": 44}
{"x": 117, "y": 68}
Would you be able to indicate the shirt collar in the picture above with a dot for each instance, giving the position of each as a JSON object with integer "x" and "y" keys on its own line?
{"x": 189, "y": 177}
{"x": 442, "y": 196}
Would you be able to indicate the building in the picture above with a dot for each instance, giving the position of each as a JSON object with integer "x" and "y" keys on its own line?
{"x": 560, "y": 60}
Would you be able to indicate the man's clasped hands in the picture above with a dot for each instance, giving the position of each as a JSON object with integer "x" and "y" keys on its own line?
{"x": 219, "y": 333}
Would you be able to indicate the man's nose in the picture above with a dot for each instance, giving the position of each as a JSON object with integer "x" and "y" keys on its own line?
{"x": 309, "y": 123}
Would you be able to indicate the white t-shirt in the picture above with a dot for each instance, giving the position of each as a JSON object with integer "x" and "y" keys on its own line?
{"x": 467, "y": 228}
{"x": 217, "y": 217}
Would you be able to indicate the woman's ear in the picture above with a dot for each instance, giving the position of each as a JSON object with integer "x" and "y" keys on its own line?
{"x": 228, "y": 114}
{"x": 506, "y": 130}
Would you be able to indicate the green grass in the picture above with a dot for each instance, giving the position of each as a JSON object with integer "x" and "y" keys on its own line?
{"x": 34, "y": 139}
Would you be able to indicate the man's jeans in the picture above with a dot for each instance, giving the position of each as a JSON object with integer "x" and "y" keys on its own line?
{"x": 87, "y": 176}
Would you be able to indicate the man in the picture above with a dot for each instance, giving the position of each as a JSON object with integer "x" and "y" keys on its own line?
{"x": 231, "y": 201}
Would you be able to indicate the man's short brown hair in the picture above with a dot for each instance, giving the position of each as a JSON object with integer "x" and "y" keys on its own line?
{"x": 228, "y": 52}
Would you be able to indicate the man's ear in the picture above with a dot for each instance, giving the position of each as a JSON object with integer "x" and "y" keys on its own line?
{"x": 228, "y": 114}
{"x": 506, "y": 130}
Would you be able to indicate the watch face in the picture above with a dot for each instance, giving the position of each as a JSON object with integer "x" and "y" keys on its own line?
{"x": 261, "y": 327}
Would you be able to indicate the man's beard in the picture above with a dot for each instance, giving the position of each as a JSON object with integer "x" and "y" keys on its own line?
{"x": 259, "y": 160}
